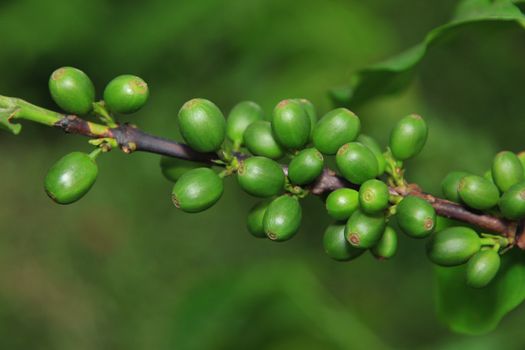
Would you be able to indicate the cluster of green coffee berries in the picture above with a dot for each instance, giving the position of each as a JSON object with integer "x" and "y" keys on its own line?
{"x": 281, "y": 158}
{"x": 500, "y": 192}
{"x": 73, "y": 175}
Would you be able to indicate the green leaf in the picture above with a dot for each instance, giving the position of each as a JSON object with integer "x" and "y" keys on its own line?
{"x": 476, "y": 311}
{"x": 396, "y": 73}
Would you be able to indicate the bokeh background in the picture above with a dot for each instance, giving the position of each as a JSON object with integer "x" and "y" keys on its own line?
{"x": 122, "y": 269}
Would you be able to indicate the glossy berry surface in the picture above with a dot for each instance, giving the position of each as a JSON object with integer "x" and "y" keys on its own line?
{"x": 72, "y": 90}
{"x": 336, "y": 128}
{"x": 261, "y": 177}
{"x": 386, "y": 248}
{"x": 512, "y": 202}
{"x": 373, "y": 196}
{"x": 363, "y": 230}
{"x": 282, "y": 218}
{"x": 255, "y": 222}
{"x": 478, "y": 192}
{"x": 291, "y": 124}
{"x": 482, "y": 268}
{"x": 126, "y": 94}
{"x": 241, "y": 117}
{"x": 259, "y": 140}
{"x": 416, "y": 217}
{"x": 450, "y": 185}
{"x": 376, "y": 150}
{"x": 202, "y": 125}
{"x": 506, "y": 170}
{"x": 71, "y": 177}
{"x": 337, "y": 247}
{"x": 408, "y": 137}
{"x": 453, "y": 246}
{"x": 197, "y": 190}
{"x": 342, "y": 203}
{"x": 306, "y": 166}
{"x": 356, "y": 162}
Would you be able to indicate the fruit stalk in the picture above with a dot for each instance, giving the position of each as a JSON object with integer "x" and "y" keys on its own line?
{"x": 130, "y": 139}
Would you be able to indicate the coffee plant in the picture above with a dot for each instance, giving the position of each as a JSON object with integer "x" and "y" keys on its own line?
{"x": 292, "y": 152}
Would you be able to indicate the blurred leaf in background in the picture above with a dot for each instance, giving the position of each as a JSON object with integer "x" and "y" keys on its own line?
{"x": 123, "y": 269}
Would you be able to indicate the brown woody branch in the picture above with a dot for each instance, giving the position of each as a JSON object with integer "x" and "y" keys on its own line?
{"x": 130, "y": 138}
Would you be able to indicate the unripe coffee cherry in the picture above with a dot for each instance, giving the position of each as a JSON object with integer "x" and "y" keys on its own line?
{"x": 72, "y": 90}
{"x": 282, "y": 218}
{"x": 416, "y": 217}
{"x": 482, "y": 268}
{"x": 356, "y": 162}
{"x": 261, "y": 177}
{"x": 197, "y": 190}
{"x": 306, "y": 166}
{"x": 521, "y": 157}
{"x": 256, "y": 219}
{"x": 241, "y": 116}
{"x": 488, "y": 175}
{"x": 174, "y": 168}
{"x": 512, "y": 202}
{"x": 202, "y": 125}
{"x": 336, "y": 245}
{"x": 376, "y": 150}
{"x": 478, "y": 192}
{"x": 364, "y": 231}
{"x": 450, "y": 185}
{"x": 126, "y": 94}
{"x": 71, "y": 177}
{"x": 506, "y": 170}
{"x": 291, "y": 124}
{"x": 259, "y": 140}
{"x": 387, "y": 245}
{"x": 453, "y": 246}
{"x": 342, "y": 203}
{"x": 336, "y": 128}
{"x": 408, "y": 137}
{"x": 310, "y": 111}
{"x": 373, "y": 196}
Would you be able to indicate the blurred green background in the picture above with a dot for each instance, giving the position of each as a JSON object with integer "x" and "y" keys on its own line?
{"x": 122, "y": 269}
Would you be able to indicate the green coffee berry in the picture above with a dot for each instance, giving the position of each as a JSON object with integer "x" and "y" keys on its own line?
{"x": 256, "y": 219}
{"x": 202, "y": 125}
{"x": 310, "y": 111}
{"x": 387, "y": 245}
{"x": 482, "y": 268}
{"x": 376, "y": 150}
{"x": 259, "y": 140}
{"x": 416, "y": 217}
{"x": 261, "y": 177}
{"x": 282, "y": 218}
{"x": 336, "y": 128}
{"x": 373, "y": 196}
{"x": 488, "y": 175}
{"x": 336, "y": 245}
{"x": 72, "y": 90}
{"x": 478, "y": 192}
{"x": 507, "y": 170}
{"x": 174, "y": 168}
{"x": 512, "y": 202}
{"x": 453, "y": 246}
{"x": 356, "y": 162}
{"x": 306, "y": 166}
{"x": 364, "y": 231}
{"x": 126, "y": 94}
{"x": 291, "y": 124}
{"x": 342, "y": 203}
{"x": 71, "y": 177}
{"x": 241, "y": 116}
{"x": 408, "y": 137}
{"x": 197, "y": 190}
{"x": 450, "y": 185}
